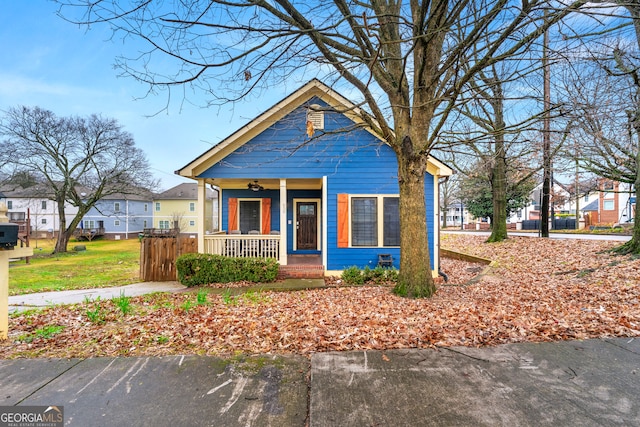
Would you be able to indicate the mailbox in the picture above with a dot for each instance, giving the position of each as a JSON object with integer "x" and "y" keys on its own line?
{"x": 8, "y": 235}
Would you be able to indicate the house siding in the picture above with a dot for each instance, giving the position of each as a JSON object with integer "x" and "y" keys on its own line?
{"x": 33, "y": 206}
{"x": 354, "y": 162}
{"x": 172, "y": 210}
{"x": 131, "y": 216}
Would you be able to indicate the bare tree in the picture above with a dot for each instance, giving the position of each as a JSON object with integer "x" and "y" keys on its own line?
{"x": 80, "y": 159}
{"x": 400, "y": 58}
{"x": 603, "y": 90}
{"x": 607, "y": 106}
{"x": 497, "y": 141}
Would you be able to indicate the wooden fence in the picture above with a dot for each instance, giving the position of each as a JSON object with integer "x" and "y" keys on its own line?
{"x": 158, "y": 256}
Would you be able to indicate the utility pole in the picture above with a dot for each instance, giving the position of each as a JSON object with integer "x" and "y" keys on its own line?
{"x": 546, "y": 137}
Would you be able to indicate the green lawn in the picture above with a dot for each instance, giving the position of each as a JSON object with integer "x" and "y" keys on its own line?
{"x": 105, "y": 263}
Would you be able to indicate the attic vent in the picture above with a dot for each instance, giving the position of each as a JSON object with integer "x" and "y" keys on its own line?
{"x": 315, "y": 119}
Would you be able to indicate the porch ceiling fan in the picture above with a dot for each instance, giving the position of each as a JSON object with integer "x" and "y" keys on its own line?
{"x": 254, "y": 186}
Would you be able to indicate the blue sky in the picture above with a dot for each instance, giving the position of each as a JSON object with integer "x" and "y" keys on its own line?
{"x": 53, "y": 64}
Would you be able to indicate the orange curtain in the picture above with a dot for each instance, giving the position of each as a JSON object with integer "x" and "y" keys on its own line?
{"x": 266, "y": 216}
{"x": 343, "y": 220}
{"x": 233, "y": 214}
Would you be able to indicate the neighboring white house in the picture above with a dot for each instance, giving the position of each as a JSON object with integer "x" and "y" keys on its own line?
{"x": 32, "y": 203}
{"x": 456, "y": 212}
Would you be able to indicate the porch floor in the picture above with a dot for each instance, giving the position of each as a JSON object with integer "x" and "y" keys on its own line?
{"x": 304, "y": 259}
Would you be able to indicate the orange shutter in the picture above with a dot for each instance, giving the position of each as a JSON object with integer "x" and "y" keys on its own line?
{"x": 266, "y": 216}
{"x": 343, "y": 220}
{"x": 233, "y": 214}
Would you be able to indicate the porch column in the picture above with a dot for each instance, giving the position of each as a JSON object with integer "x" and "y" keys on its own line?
{"x": 283, "y": 221}
{"x": 325, "y": 219}
{"x": 202, "y": 199}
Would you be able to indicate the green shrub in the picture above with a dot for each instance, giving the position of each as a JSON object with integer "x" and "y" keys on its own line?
{"x": 352, "y": 276}
{"x": 200, "y": 269}
{"x": 376, "y": 275}
{"x": 371, "y": 276}
{"x": 391, "y": 274}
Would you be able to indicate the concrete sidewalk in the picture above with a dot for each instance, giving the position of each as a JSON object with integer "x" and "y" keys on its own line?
{"x": 586, "y": 383}
{"x": 45, "y": 299}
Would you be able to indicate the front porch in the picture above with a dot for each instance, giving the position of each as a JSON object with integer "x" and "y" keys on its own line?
{"x": 243, "y": 245}
{"x": 307, "y": 266}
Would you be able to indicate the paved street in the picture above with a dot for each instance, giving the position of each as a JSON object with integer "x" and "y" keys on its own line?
{"x": 613, "y": 237}
{"x": 577, "y": 383}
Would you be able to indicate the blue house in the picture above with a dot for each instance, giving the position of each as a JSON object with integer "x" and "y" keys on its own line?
{"x": 118, "y": 217}
{"x": 307, "y": 182}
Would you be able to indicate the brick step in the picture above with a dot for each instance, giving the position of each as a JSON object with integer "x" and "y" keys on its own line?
{"x": 301, "y": 272}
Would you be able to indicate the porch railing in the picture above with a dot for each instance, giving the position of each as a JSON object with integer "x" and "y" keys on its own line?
{"x": 243, "y": 245}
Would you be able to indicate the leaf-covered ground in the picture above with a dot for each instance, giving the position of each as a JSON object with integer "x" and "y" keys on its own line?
{"x": 539, "y": 290}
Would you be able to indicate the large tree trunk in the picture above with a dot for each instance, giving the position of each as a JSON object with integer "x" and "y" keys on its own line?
{"x": 63, "y": 234}
{"x": 498, "y": 176}
{"x": 415, "y": 279}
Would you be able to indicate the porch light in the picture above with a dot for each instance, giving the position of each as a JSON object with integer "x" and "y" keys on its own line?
{"x": 254, "y": 186}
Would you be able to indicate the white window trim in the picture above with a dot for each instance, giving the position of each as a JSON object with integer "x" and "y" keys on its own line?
{"x": 379, "y": 220}
{"x": 249, "y": 199}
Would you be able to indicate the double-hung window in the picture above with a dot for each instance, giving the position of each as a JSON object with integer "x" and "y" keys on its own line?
{"x": 364, "y": 221}
{"x": 374, "y": 221}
